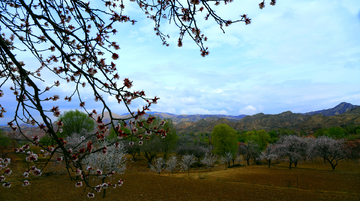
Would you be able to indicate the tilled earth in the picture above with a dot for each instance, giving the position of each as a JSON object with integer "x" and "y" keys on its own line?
{"x": 198, "y": 186}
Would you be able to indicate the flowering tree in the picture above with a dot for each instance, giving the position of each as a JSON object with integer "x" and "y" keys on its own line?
{"x": 186, "y": 162}
{"x": 158, "y": 166}
{"x": 209, "y": 160}
{"x": 249, "y": 151}
{"x": 171, "y": 164}
{"x": 72, "y": 42}
{"x": 104, "y": 165}
{"x": 291, "y": 148}
{"x": 268, "y": 154}
{"x": 226, "y": 159}
{"x": 329, "y": 149}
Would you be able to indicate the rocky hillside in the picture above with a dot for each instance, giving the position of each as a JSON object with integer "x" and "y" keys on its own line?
{"x": 294, "y": 121}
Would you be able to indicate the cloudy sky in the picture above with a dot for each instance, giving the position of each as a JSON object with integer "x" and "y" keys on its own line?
{"x": 298, "y": 55}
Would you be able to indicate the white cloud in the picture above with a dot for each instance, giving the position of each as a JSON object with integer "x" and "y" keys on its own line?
{"x": 249, "y": 110}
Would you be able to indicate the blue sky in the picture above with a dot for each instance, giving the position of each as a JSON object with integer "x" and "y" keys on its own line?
{"x": 298, "y": 55}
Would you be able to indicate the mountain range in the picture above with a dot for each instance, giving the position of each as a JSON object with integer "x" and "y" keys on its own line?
{"x": 341, "y": 115}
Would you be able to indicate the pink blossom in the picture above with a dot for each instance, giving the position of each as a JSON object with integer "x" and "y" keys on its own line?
{"x": 78, "y": 172}
{"x": 7, "y": 184}
{"x": 26, "y": 183}
{"x": 8, "y": 171}
{"x": 78, "y": 184}
{"x": 91, "y": 195}
{"x": 37, "y": 172}
{"x": 98, "y": 188}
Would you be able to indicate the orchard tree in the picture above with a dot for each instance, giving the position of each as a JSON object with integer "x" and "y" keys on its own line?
{"x": 268, "y": 154}
{"x": 249, "y": 151}
{"x": 171, "y": 164}
{"x": 227, "y": 158}
{"x": 75, "y": 122}
{"x": 224, "y": 140}
{"x": 209, "y": 160}
{"x": 291, "y": 148}
{"x": 73, "y": 43}
{"x": 331, "y": 150}
{"x": 158, "y": 165}
{"x": 187, "y": 161}
{"x": 103, "y": 165}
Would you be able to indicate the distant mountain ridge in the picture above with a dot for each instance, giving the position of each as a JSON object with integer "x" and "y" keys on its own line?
{"x": 339, "y": 109}
{"x": 293, "y": 121}
{"x": 189, "y": 118}
{"x": 340, "y": 115}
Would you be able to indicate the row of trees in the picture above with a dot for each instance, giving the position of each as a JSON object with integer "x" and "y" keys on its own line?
{"x": 294, "y": 149}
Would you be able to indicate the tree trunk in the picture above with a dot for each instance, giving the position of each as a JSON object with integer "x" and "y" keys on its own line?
{"x": 269, "y": 162}
{"x": 133, "y": 155}
{"x": 247, "y": 161}
{"x": 149, "y": 157}
{"x": 290, "y": 165}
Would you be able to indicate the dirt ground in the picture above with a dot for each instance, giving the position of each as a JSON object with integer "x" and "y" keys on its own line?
{"x": 255, "y": 182}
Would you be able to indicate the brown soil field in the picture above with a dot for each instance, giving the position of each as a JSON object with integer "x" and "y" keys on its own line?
{"x": 309, "y": 181}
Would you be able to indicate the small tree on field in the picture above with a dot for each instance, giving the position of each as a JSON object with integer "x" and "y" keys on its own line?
{"x": 291, "y": 148}
{"x": 268, "y": 154}
{"x": 209, "y": 160}
{"x": 104, "y": 164}
{"x": 186, "y": 162}
{"x": 224, "y": 140}
{"x": 249, "y": 151}
{"x": 158, "y": 165}
{"x": 171, "y": 164}
{"x": 226, "y": 159}
{"x": 331, "y": 150}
